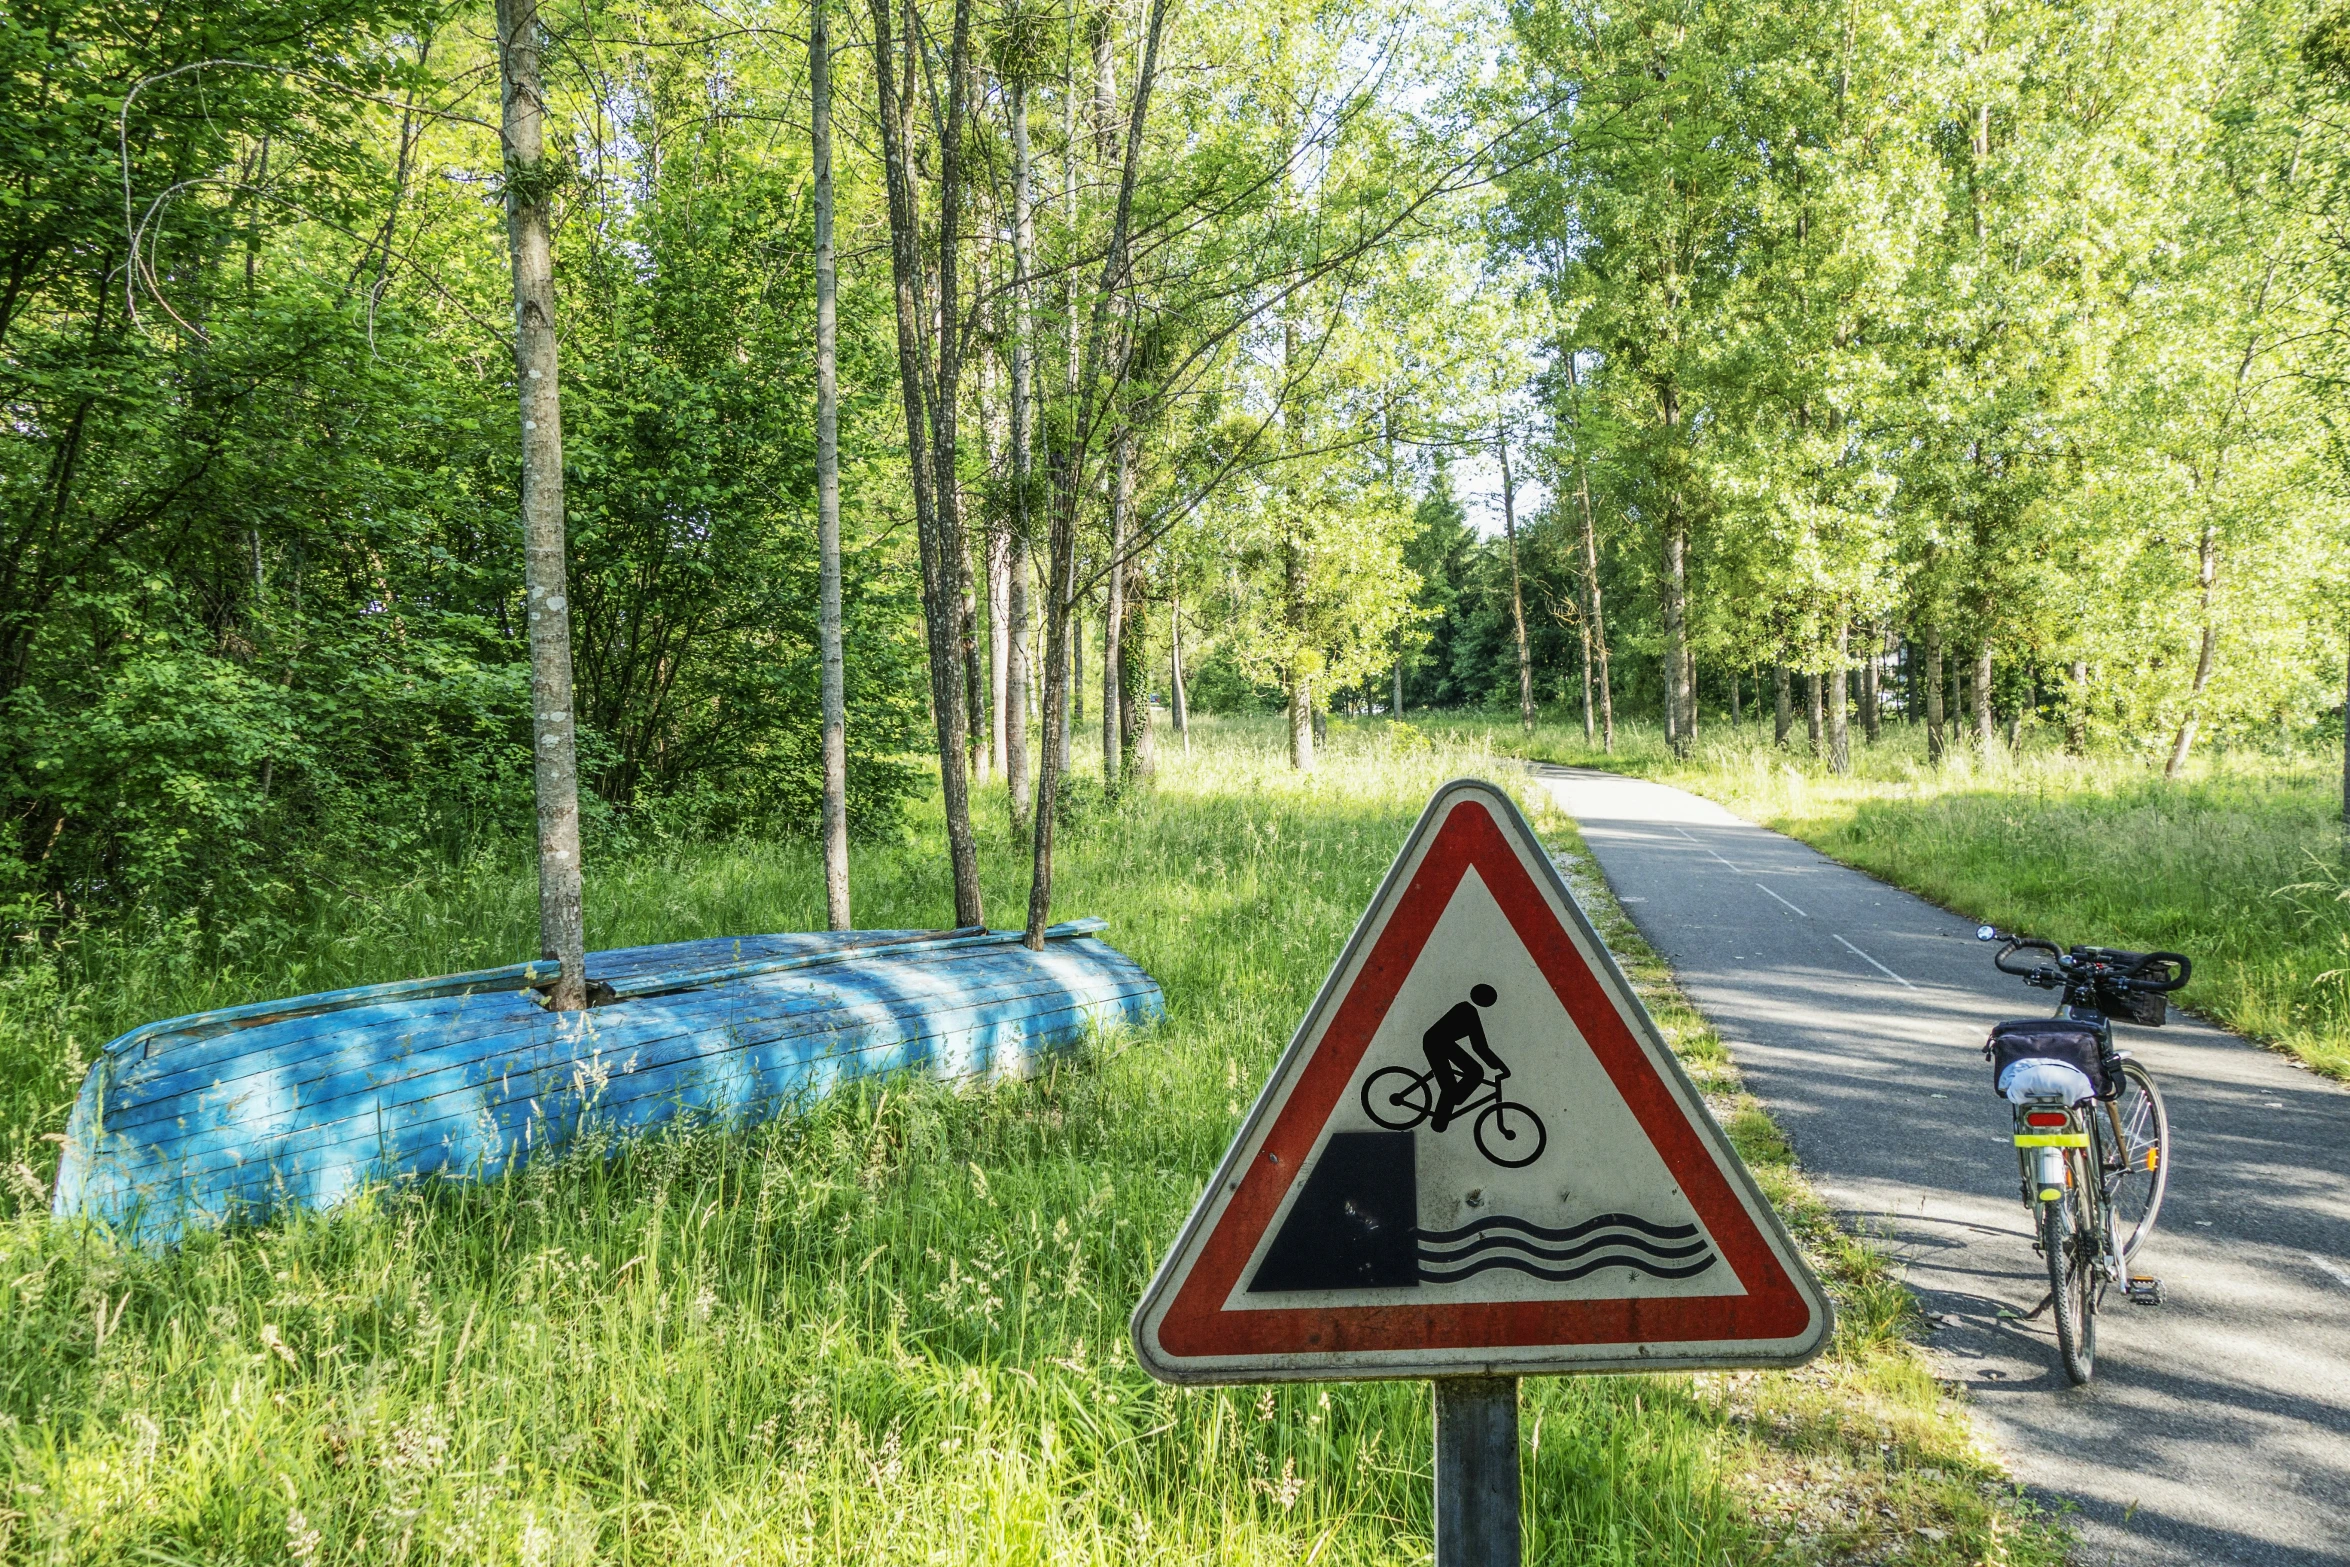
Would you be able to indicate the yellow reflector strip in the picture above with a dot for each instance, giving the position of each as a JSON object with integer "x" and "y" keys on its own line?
{"x": 2052, "y": 1140}
{"x": 2050, "y": 1194}
{"x": 2153, "y": 1158}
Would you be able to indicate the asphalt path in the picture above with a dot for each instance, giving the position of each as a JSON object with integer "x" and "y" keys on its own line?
{"x": 2218, "y": 1427}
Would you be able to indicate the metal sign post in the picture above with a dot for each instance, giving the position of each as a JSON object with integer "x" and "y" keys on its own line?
{"x": 1477, "y": 1472}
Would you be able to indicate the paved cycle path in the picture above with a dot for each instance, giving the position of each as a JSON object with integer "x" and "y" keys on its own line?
{"x": 2218, "y": 1428}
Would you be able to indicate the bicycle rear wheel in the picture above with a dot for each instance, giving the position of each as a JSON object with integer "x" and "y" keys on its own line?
{"x": 2069, "y": 1240}
{"x": 2134, "y": 1147}
{"x": 1398, "y": 1098}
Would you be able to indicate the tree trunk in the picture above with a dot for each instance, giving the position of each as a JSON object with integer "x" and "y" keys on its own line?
{"x": 1934, "y": 713}
{"x": 1689, "y": 681}
{"x": 1872, "y": 691}
{"x": 1301, "y": 722}
{"x": 828, "y": 630}
{"x": 999, "y": 645}
{"x": 1395, "y": 710}
{"x": 1839, "y": 699}
{"x": 1114, "y": 612}
{"x": 2346, "y": 752}
{"x": 1076, "y": 670}
{"x": 974, "y": 677}
{"x": 1816, "y": 699}
{"x": 1134, "y": 707}
{"x": 1985, "y": 734}
{"x": 1017, "y": 674}
{"x": 1607, "y": 705}
{"x": 1736, "y": 716}
{"x": 930, "y": 429}
{"x": 1509, "y": 529}
{"x": 1782, "y": 706}
{"x": 1178, "y": 705}
{"x": 1676, "y": 617}
{"x": 554, "y": 747}
{"x": 2076, "y": 711}
{"x": 2207, "y": 568}
{"x": 1587, "y": 715}
{"x": 1069, "y": 472}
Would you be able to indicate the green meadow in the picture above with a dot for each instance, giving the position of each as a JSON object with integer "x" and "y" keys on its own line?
{"x": 891, "y": 1328}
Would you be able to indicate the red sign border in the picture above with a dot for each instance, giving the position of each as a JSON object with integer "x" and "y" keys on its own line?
{"x": 1196, "y": 1325}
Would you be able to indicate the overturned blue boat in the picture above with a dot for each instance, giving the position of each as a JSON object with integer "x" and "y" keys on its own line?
{"x": 238, "y": 1113}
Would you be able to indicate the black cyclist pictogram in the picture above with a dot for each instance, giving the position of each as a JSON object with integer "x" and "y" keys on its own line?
{"x": 1464, "y": 1075}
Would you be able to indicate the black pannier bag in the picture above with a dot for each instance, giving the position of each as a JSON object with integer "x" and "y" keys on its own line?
{"x": 2050, "y": 1039}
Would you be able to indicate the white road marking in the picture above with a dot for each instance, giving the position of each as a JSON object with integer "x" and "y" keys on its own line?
{"x": 1864, "y": 957}
{"x": 2338, "y": 1276}
{"x": 1708, "y": 851}
{"x": 1782, "y": 900}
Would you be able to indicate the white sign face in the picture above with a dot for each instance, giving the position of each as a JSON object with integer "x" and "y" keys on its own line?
{"x": 1477, "y": 1155}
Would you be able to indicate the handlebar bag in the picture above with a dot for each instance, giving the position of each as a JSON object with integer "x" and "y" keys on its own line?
{"x": 2146, "y": 1008}
{"x": 2049, "y": 1039}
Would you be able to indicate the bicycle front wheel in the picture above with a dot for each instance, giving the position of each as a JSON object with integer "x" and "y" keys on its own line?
{"x": 1510, "y": 1135}
{"x": 2070, "y": 1242}
{"x": 2134, "y": 1148}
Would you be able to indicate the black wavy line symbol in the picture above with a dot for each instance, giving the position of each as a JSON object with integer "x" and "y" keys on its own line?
{"x": 1612, "y": 1240}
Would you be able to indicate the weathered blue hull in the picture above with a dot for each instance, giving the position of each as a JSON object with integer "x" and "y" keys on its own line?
{"x": 239, "y": 1112}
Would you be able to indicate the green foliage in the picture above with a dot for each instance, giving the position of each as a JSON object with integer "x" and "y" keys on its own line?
{"x": 259, "y": 608}
{"x": 1901, "y": 333}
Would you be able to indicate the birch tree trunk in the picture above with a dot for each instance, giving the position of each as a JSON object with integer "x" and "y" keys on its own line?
{"x": 2076, "y": 709}
{"x": 1985, "y": 735}
{"x": 1023, "y": 436}
{"x": 554, "y": 737}
{"x": 2206, "y": 570}
{"x": 1178, "y": 706}
{"x": 1934, "y": 714}
{"x": 996, "y": 543}
{"x": 1782, "y": 706}
{"x": 828, "y": 631}
{"x": 1069, "y": 472}
{"x": 930, "y": 426}
{"x": 1509, "y": 528}
{"x": 1595, "y": 624}
{"x": 1816, "y": 699}
{"x": 1114, "y": 611}
{"x": 1871, "y": 693}
{"x": 1588, "y": 726}
{"x": 1839, "y": 698}
{"x": 1676, "y": 617}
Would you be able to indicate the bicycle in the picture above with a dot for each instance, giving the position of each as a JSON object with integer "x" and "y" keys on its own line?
{"x": 1409, "y": 1098}
{"x": 2094, "y": 1163}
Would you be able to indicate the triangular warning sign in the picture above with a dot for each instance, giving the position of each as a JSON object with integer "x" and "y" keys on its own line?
{"x": 1477, "y": 1156}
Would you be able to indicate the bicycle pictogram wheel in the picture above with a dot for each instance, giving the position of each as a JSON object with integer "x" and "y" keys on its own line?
{"x": 1398, "y": 1098}
{"x": 1510, "y": 1134}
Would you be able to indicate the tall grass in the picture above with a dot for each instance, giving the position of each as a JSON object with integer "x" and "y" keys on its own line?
{"x": 2240, "y": 863}
{"x": 891, "y": 1329}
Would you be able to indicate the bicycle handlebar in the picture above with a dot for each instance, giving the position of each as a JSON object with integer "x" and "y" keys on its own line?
{"x": 2107, "y": 966}
{"x": 2023, "y": 943}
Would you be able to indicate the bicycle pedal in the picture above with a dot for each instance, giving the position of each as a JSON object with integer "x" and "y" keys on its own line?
{"x": 2143, "y": 1290}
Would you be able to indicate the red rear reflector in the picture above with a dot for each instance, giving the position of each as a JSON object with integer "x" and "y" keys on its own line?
{"x": 2045, "y": 1118}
